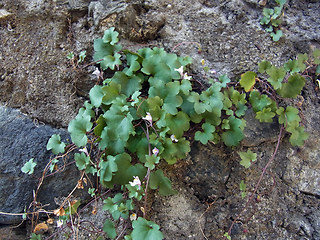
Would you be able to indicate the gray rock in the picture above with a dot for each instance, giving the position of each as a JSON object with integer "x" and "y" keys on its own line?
{"x": 22, "y": 138}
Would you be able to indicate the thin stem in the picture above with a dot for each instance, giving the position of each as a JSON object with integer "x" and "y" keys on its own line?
{"x": 259, "y": 181}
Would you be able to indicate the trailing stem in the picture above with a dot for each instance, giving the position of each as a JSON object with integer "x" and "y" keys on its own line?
{"x": 259, "y": 181}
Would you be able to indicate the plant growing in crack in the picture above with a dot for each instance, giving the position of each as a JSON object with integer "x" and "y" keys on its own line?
{"x": 148, "y": 113}
{"x": 272, "y": 19}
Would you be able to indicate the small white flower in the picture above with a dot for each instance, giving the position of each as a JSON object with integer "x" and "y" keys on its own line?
{"x": 318, "y": 83}
{"x": 202, "y": 61}
{"x": 173, "y": 138}
{"x": 155, "y": 151}
{"x": 148, "y": 117}
{"x": 85, "y": 150}
{"x": 96, "y": 72}
{"x": 180, "y": 70}
{"x": 136, "y": 182}
{"x": 213, "y": 72}
{"x": 133, "y": 217}
{"x": 59, "y": 223}
{"x": 186, "y": 77}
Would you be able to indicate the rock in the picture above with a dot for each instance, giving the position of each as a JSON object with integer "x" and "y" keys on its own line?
{"x": 4, "y": 13}
{"x": 78, "y": 5}
{"x": 21, "y": 138}
{"x": 257, "y": 133}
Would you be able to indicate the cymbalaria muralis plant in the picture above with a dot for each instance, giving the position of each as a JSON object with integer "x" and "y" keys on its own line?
{"x": 150, "y": 110}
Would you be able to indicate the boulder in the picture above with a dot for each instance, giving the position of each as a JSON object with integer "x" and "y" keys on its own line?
{"x": 21, "y": 139}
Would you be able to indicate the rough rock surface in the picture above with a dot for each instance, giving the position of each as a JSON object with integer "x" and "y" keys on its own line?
{"x": 21, "y": 139}
{"x": 36, "y": 77}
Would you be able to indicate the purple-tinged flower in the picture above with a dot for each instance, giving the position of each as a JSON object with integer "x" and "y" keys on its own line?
{"x": 136, "y": 182}
{"x": 173, "y": 138}
{"x": 155, "y": 151}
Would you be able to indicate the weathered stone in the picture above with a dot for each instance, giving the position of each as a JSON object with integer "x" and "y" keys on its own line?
{"x": 21, "y": 139}
{"x": 232, "y": 42}
{"x": 4, "y": 13}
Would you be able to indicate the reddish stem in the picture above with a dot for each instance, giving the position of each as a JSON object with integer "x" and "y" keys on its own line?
{"x": 259, "y": 181}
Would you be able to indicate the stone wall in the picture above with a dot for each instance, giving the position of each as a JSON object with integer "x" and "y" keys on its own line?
{"x": 36, "y": 78}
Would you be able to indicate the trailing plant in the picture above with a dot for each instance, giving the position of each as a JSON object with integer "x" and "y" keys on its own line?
{"x": 272, "y": 20}
{"x": 150, "y": 110}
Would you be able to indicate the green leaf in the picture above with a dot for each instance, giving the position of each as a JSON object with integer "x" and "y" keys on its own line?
{"x": 281, "y": 2}
{"x": 86, "y": 110}
{"x": 126, "y": 170}
{"x": 92, "y": 192}
{"x": 259, "y": 101}
{"x": 199, "y": 107}
{"x": 276, "y": 76}
{"x": 110, "y": 205}
{"x": 267, "y": 12}
{"x": 276, "y": 22}
{"x": 82, "y": 160}
{"x": 151, "y": 161}
{"x": 185, "y": 87}
{"x": 145, "y": 230}
{"x": 82, "y": 56}
{"x": 109, "y": 228}
{"x": 234, "y": 135}
{"x": 107, "y": 168}
{"x": 298, "y": 136}
{"x": 224, "y": 79}
{"x": 70, "y": 55}
{"x": 227, "y": 236}
{"x": 177, "y": 124}
{"x": 316, "y": 56}
{"x": 172, "y": 100}
{"x": 159, "y": 181}
{"x": 28, "y": 167}
{"x": 73, "y": 209}
{"x": 55, "y": 144}
{"x": 264, "y": 66}
{"x": 247, "y": 158}
{"x": 135, "y": 192}
{"x": 269, "y": 29}
{"x": 175, "y": 150}
{"x": 110, "y": 36}
{"x": 111, "y": 61}
{"x": 264, "y": 20}
{"x": 243, "y": 189}
{"x": 96, "y": 94}
{"x": 293, "y": 87}
{"x": 276, "y": 36}
{"x": 35, "y": 236}
{"x": 129, "y": 84}
{"x": 248, "y": 80}
{"x": 288, "y": 116}
{"x": 301, "y": 59}
{"x": 53, "y": 164}
{"x": 110, "y": 92}
{"x": 206, "y": 135}
{"x": 105, "y": 52}
{"x": 292, "y": 66}
{"x": 132, "y": 61}
{"x": 78, "y": 128}
{"x": 266, "y": 115}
